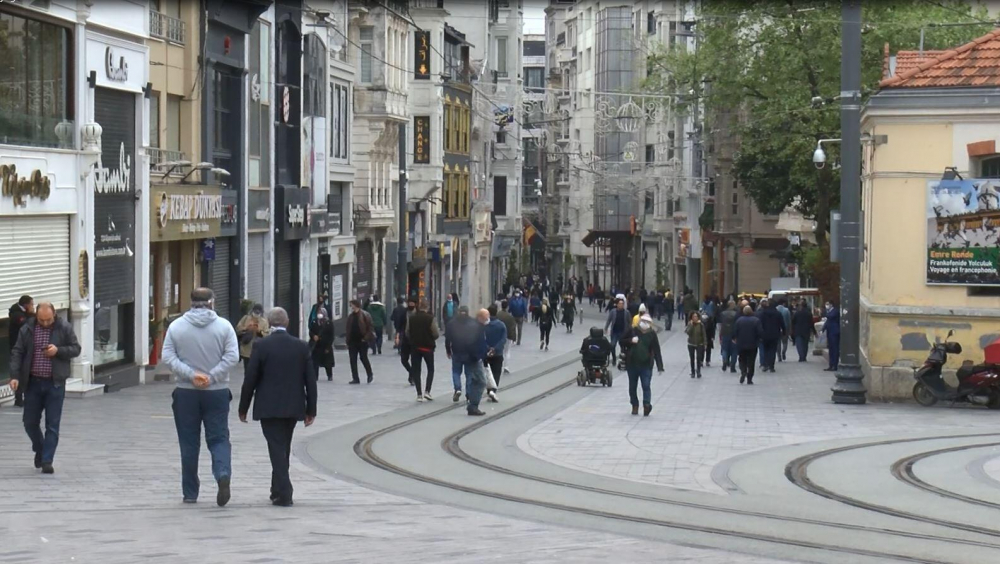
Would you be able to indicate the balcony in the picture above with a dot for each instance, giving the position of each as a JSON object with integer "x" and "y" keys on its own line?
{"x": 159, "y": 157}
{"x": 374, "y": 103}
{"x": 167, "y": 28}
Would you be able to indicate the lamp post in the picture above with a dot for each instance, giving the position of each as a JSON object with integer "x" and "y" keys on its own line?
{"x": 849, "y": 388}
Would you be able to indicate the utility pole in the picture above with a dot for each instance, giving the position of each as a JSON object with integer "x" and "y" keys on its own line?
{"x": 404, "y": 240}
{"x": 849, "y": 387}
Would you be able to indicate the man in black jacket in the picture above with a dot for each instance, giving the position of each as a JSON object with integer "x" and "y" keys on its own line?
{"x": 39, "y": 368}
{"x": 746, "y": 338}
{"x": 399, "y": 317}
{"x": 281, "y": 375}
{"x": 772, "y": 326}
{"x": 422, "y": 333}
{"x": 802, "y": 328}
{"x": 17, "y": 316}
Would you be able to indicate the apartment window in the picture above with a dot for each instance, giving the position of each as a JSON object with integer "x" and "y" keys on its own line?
{"x": 650, "y": 155}
{"x": 588, "y": 19}
{"x": 736, "y": 199}
{"x": 990, "y": 168}
{"x": 586, "y": 59}
{"x": 36, "y": 65}
{"x": 335, "y": 207}
{"x": 259, "y": 141}
{"x": 502, "y": 56}
{"x": 340, "y": 115}
{"x": 367, "y": 42}
{"x": 649, "y": 203}
{"x": 650, "y": 23}
{"x": 500, "y": 195}
{"x": 711, "y": 187}
{"x": 671, "y": 137}
{"x": 672, "y": 32}
{"x": 173, "y": 123}
{"x": 222, "y": 111}
{"x": 534, "y": 77}
{"x": 314, "y": 77}
{"x": 466, "y": 125}
{"x": 154, "y": 119}
{"x": 670, "y": 207}
{"x": 501, "y": 137}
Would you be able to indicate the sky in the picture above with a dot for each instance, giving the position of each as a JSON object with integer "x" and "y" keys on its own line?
{"x": 534, "y": 16}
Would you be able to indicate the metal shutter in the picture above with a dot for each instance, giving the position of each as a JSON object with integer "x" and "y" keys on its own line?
{"x": 219, "y": 276}
{"x": 34, "y": 260}
{"x": 286, "y": 295}
{"x": 255, "y": 267}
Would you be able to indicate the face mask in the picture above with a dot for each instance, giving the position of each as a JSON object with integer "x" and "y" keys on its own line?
{"x": 829, "y": 306}
{"x": 644, "y": 325}
{"x": 411, "y": 308}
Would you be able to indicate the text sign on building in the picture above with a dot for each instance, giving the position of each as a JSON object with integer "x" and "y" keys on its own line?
{"x": 34, "y": 184}
{"x": 186, "y": 212}
{"x": 963, "y": 217}
{"x": 115, "y": 63}
{"x": 422, "y": 55}
{"x": 421, "y": 139}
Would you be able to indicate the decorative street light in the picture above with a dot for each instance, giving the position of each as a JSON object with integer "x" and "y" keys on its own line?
{"x": 629, "y": 116}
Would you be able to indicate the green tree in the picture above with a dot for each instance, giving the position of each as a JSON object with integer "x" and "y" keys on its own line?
{"x": 759, "y": 65}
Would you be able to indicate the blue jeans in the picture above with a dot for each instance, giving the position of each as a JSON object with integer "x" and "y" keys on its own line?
{"x": 728, "y": 352}
{"x": 43, "y": 395}
{"x": 615, "y": 337}
{"x": 475, "y": 379}
{"x": 635, "y": 376}
{"x": 192, "y": 408}
{"x": 802, "y": 344}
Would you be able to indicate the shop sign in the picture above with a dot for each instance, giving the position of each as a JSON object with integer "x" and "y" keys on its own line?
{"x": 182, "y": 212}
{"x": 115, "y": 63}
{"x": 319, "y": 222}
{"x": 422, "y": 55}
{"x": 292, "y": 203}
{"x": 114, "y": 180}
{"x": 296, "y": 215}
{"x": 259, "y": 217}
{"x": 962, "y": 221}
{"x": 21, "y": 188}
{"x": 421, "y": 139}
{"x": 115, "y": 66}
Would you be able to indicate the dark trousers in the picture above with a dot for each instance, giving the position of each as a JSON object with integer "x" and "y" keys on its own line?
{"x": 670, "y": 320}
{"x": 748, "y": 361}
{"x": 192, "y": 409}
{"x": 709, "y": 345}
{"x": 783, "y": 352}
{"x": 377, "y": 345}
{"x": 770, "y": 352}
{"x": 615, "y": 344}
{"x": 353, "y": 352}
{"x": 696, "y": 353}
{"x": 415, "y": 358}
{"x": 43, "y": 396}
{"x": 638, "y": 376}
{"x": 546, "y": 331}
{"x": 495, "y": 364}
{"x": 519, "y": 324}
{"x": 322, "y": 363}
{"x": 404, "y": 353}
{"x": 833, "y": 341}
{"x": 278, "y": 434}
{"x": 802, "y": 345}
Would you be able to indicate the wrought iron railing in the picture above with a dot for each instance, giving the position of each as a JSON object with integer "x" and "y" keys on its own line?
{"x": 158, "y": 159}
{"x": 167, "y": 27}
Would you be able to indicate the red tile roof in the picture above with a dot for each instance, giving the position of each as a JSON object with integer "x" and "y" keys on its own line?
{"x": 977, "y": 63}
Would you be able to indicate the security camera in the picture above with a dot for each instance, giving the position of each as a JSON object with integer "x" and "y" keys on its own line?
{"x": 819, "y": 157}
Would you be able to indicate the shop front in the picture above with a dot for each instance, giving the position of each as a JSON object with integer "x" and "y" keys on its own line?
{"x": 292, "y": 225}
{"x": 183, "y": 219}
{"x": 258, "y": 244}
{"x": 119, "y": 74}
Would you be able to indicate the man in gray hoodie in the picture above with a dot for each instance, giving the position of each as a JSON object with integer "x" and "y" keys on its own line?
{"x": 200, "y": 348}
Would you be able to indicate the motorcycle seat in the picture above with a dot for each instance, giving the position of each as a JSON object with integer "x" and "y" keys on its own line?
{"x": 968, "y": 370}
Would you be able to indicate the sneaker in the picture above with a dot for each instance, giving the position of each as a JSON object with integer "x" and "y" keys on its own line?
{"x": 190, "y": 500}
{"x": 420, "y": 399}
{"x": 47, "y": 468}
{"x": 223, "y": 497}
{"x": 456, "y": 396}
{"x": 493, "y": 396}
{"x": 427, "y": 396}
{"x": 750, "y": 382}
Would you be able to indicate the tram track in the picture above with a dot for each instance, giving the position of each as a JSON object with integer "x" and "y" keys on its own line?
{"x": 903, "y": 471}
{"x": 364, "y": 448}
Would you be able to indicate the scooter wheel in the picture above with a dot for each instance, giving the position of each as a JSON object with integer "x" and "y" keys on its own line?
{"x": 923, "y": 395}
{"x": 994, "y": 402}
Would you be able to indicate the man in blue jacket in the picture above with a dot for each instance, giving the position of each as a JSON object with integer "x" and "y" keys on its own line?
{"x": 832, "y": 329}
{"x": 496, "y": 339}
{"x": 465, "y": 344}
{"x": 518, "y": 307}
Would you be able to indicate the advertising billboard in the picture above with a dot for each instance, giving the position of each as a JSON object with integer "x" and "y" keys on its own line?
{"x": 963, "y": 232}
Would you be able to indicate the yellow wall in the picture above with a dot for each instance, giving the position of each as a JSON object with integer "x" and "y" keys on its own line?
{"x": 174, "y": 71}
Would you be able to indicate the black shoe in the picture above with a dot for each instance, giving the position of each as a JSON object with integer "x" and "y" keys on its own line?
{"x": 47, "y": 468}
{"x": 19, "y": 402}
{"x": 370, "y": 378}
{"x": 359, "y": 381}
{"x": 692, "y": 375}
{"x": 190, "y": 500}
{"x": 223, "y": 497}
{"x": 273, "y": 497}
{"x": 742, "y": 378}
{"x": 749, "y": 382}
{"x": 829, "y": 369}
{"x": 282, "y": 502}
{"x": 732, "y": 371}
{"x": 476, "y": 412}
{"x": 38, "y": 460}
{"x": 646, "y": 409}
{"x": 635, "y": 410}
{"x": 699, "y": 373}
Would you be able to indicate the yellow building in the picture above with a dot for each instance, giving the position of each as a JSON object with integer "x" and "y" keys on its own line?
{"x": 930, "y": 260}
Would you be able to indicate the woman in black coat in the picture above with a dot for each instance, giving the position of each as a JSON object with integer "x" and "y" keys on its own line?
{"x": 546, "y": 319}
{"x": 321, "y": 345}
{"x": 568, "y": 312}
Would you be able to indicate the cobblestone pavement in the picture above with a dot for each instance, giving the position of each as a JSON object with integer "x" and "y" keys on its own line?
{"x": 115, "y": 496}
{"x": 697, "y": 423}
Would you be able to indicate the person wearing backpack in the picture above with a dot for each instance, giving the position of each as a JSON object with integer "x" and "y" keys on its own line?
{"x": 641, "y": 350}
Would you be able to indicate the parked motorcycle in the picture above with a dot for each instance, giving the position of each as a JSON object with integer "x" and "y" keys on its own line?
{"x": 977, "y": 384}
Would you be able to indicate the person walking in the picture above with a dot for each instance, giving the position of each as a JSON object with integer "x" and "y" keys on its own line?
{"x": 251, "y": 328}
{"x": 321, "y": 345}
{"x": 465, "y": 345}
{"x": 496, "y": 341}
{"x": 449, "y": 309}
{"x": 568, "y": 312}
{"x": 281, "y": 382}
{"x": 546, "y": 319}
{"x": 376, "y": 309}
{"x": 422, "y": 333}
{"x": 690, "y": 304}
{"x": 39, "y": 368}
{"x": 786, "y": 316}
{"x": 668, "y": 305}
{"x": 519, "y": 310}
{"x": 17, "y": 316}
{"x": 398, "y": 320}
{"x": 400, "y": 315}
{"x": 708, "y": 321}
{"x": 200, "y": 349}
{"x": 360, "y": 334}
{"x": 322, "y": 303}
{"x": 832, "y": 329}
{"x": 725, "y": 324}
{"x": 511, "y": 324}
{"x": 641, "y": 350}
{"x": 803, "y": 328}
{"x": 747, "y": 337}
{"x": 616, "y": 325}
{"x": 697, "y": 339}
{"x": 535, "y": 305}
{"x": 772, "y": 330}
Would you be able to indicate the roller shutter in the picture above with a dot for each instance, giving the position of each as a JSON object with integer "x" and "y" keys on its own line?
{"x": 286, "y": 257}
{"x": 255, "y": 267}
{"x": 34, "y": 260}
{"x": 219, "y": 275}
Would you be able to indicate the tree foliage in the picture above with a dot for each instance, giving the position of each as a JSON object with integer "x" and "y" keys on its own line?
{"x": 758, "y": 66}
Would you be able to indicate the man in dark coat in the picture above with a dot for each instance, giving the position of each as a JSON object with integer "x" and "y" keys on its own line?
{"x": 17, "y": 316}
{"x": 422, "y": 333}
{"x": 832, "y": 329}
{"x": 802, "y": 328}
{"x": 281, "y": 375}
{"x": 465, "y": 344}
{"x": 360, "y": 334}
{"x": 399, "y": 317}
{"x": 39, "y": 368}
{"x": 772, "y": 330}
{"x": 746, "y": 336}
{"x": 726, "y": 321}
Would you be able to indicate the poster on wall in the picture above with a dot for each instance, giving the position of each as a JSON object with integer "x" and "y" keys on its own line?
{"x": 963, "y": 232}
